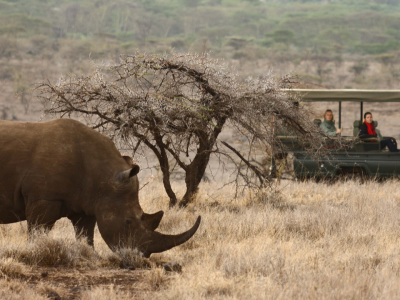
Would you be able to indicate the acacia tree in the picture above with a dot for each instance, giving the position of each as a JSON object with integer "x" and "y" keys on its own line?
{"x": 177, "y": 105}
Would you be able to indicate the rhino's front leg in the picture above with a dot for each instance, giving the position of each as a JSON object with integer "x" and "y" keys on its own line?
{"x": 42, "y": 214}
{"x": 84, "y": 226}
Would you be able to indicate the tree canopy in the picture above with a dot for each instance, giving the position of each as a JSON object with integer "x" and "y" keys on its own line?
{"x": 177, "y": 105}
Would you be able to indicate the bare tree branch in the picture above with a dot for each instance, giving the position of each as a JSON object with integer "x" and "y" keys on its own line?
{"x": 256, "y": 170}
{"x": 177, "y": 105}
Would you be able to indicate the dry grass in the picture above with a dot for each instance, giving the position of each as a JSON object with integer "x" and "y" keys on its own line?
{"x": 156, "y": 279}
{"x": 43, "y": 250}
{"x": 16, "y": 290}
{"x": 11, "y": 268}
{"x": 315, "y": 241}
{"x": 109, "y": 293}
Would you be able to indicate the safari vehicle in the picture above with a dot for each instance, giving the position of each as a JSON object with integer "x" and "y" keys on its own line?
{"x": 364, "y": 156}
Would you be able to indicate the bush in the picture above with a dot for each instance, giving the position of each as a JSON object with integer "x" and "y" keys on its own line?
{"x": 284, "y": 36}
{"x": 359, "y": 67}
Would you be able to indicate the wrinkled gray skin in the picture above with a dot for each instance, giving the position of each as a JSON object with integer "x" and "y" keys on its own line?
{"x": 63, "y": 168}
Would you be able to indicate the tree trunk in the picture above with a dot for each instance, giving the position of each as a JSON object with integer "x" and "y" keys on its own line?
{"x": 194, "y": 174}
{"x": 168, "y": 189}
{"x": 164, "y": 165}
{"x": 195, "y": 171}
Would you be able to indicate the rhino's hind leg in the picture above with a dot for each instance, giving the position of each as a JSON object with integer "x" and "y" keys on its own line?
{"x": 84, "y": 226}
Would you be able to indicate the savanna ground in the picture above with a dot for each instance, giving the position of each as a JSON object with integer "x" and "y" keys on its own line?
{"x": 297, "y": 241}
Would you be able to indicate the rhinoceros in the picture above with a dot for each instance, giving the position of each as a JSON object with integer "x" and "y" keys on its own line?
{"x": 62, "y": 168}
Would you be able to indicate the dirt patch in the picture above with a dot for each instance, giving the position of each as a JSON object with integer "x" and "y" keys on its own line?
{"x": 72, "y": 282}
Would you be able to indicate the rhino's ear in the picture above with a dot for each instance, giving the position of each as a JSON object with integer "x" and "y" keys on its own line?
{"x": 135, "y": 169}
{"x": 125, "y": 175}
{"x": 128, "y": 160}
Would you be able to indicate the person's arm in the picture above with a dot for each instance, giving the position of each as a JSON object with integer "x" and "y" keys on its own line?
{"x": 331, "y": 133}
{"x": 379, "y": 135}
{"x": 364, "y": 132}
{"x": 328, "y": 132}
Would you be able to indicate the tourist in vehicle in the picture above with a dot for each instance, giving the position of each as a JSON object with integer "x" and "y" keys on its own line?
{"x": 367, "y": 130}
{"x": 328, "y": 125}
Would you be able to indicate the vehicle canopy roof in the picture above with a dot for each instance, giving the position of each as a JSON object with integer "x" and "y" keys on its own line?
{"x": 348, "y": 95}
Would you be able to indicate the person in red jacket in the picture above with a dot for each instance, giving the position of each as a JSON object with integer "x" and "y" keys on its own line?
{"x": 367, "y": 130}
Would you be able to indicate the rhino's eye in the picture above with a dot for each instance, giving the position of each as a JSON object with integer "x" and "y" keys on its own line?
{"x": 128, "y": 222}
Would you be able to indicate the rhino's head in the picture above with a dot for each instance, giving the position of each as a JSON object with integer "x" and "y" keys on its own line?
{"x": 122, "y": 222}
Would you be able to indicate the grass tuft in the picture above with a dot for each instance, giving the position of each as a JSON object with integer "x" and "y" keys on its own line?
{"x": 128, "y": 258}
{"x": 11, "y": 268}
{"x": 156, "y": 278}
{"x": 49, "y": 251}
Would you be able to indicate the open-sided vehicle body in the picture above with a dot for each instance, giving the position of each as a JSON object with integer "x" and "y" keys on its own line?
{"x": 364, "y": 156}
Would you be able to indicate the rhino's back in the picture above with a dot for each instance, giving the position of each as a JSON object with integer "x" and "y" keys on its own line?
{"x": 52, "y": 142}
{"x": 57, "y": 160}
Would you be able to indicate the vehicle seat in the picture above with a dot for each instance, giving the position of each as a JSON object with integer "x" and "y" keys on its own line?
{"x": 317, "y": 122}
{"x": 357, "y": 124}
{"x": 356, "y": 127}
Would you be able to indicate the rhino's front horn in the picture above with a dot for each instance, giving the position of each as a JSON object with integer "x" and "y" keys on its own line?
{"x": 160, "y": 242}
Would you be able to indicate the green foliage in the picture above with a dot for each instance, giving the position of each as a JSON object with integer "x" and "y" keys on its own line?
{"x": 12, "y": 30}
{"x": 237, "y": 42}
{"x": 336, "y": 27}
{"x": 283, "y": 36}
{"x": 19, "y": 23}
{"x": 377, "y": 48}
